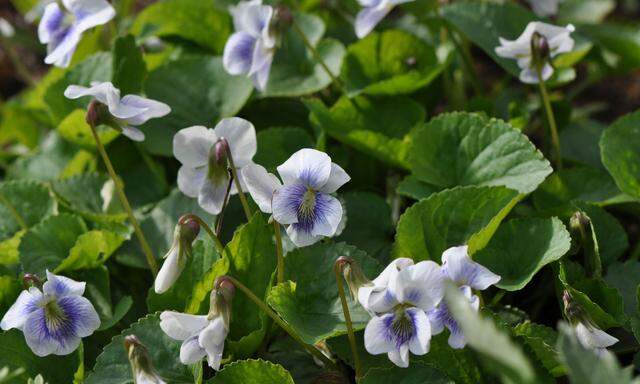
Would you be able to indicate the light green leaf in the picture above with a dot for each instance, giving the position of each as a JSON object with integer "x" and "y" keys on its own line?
{"x": 82, "y": 194}
{"x": 199, "y": 92}
{"x": 129, "y": 68}
{"x": 91, "y": 250}
{"x": 112, "y": 366}
{"x": 620, "y": 150}
{"x": 542, "y": 341}
{"x": 48, "y": 243}
{"x": 389, "y": 63}
{"x": 521, "y": 247}
{"x": 74, "y": 128}
{"x": 276, "y": 144}
{"x": 411, "y": 187}
{"x": 199, "y": 21}
{"x": 252, "y": 372}
{"x": 464, "y": 215}
{"x": 482, "y": 334}
{"x": 378, "y": 127}
{"x": 310, "y": 302}
{"x": 470, "y": 149}
{"x": 22, "y": 205}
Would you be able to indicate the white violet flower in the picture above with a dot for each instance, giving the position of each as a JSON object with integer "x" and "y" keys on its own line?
{"x": 185, "y": 232}
{"x": 588, "y": 334}
{"x": 303, "y": 201}
{"x": 141, "y": 364}
{"x": 55, "y": 319}
{"x": 123, "y": 114}
{"x": 61, "y": 28}
{"x": 557, "y": 40}
{"x": 458, "y": 267}
{"x": 406, "y": 328}
{"x": 544, "y": 7}
{"x": 202, "y": 152}
{"x": 250, "y": 50}
{"x": 376, "y": 298}
{"x": 373, "y": 13}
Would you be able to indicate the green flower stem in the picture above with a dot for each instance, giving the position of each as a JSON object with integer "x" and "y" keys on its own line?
{"x": 234, "y": 173}
{"x": 317, "y": 56}
{"x": 212, "y": 235}
{"x": 17, "y": 62}
{"x": 277, "y": 319}
{"x": 337, "y": 268}
{"x": 220, "y": 217}
{"x": 279, "y": 253}
{"x": 151, "y": 260}
{"x": 555, "y": 139}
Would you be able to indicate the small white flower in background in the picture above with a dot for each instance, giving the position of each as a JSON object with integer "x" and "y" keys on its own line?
{"x": 557, "y": 40}
{"x": 373, "y": 13}
{"x": 6, "y": 29}
{"x": 250, "y": 50}
{"x": 375, "y": 298}
{"x": 55, "y": 319}
{"x": 588, "y": 334}
{"x": 202, "y": 335}
{"x": 303, "y": 201}
{"x": 184, "y": 234}
{"x": 123, "y": 114}
{"x": 458, "y": 267}
{"x": 62, "y": 28}
{"x": 141, "y": 364}
{"x": 405, "y": 328}
{"x": 544, "y": 7}
{"x": 202, "y": 152}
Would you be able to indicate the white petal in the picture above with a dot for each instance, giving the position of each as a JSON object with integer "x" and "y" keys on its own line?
{"x": 286, "y": 202}
{"x": 133, "y": 133}
{"x": 592, "y": 337}
{"x": 181, "y": 326}
{"x": 214, "y": 357}
{"x": 301, "y": 238}
{"x": 421, "y": 284}
{"x": 191, "y": 180}
{"x": 81, "y": 314}
{"x": 368, "y": 18}
{"x": 238, "y": 53}
{"x": 143, "y": 377}
{"x": 261, "y": 185}
{"x": 191, "y": 146}
{"x": 459, "y": 267}
{"x": 241, "y": 136}
{"x": 90, "y": 13}
{"x": 212, "y": 194}
{"x": 150, "y": 109}
{"x": 213, "y": 334}
{"x": 191, "y": 352}
{"x": 26, "y": 303}
{"x": 251, "y": 17}
{"x": 376, "y": 340}
{"x": 62, "y": 48}
{"x": 400, "y": 357}
{"x": 456, "y": 339}
{"x": 169, "y": 273}
{"x": 103, "y": 92}
{"x": 337, "y": 178}
{"x": 419, "y": 344}
{"x": 307, "y": 166}
{"x": 261, "y": 75}
{"x": 60, "y": 286}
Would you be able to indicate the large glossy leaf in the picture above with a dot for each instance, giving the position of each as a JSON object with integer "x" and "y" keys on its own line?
{"x": 389, "y": 63}
{"x": 310, "y": 302}
{"x": 620, "y": 149}
{"x": 113, "y": 367}
{"x": 199, "y": 92}
{"x": 470, "y": 149}
{"x": 83, "y": 194}
{"x": 521, "y": 247}
{"x": 252, "y": 372}
{"x": 22, "y": 205}
{"x": 466, "y": 215}
{"x": 378, "y": 127}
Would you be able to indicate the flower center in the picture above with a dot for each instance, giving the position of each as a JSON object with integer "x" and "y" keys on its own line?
{"x": 53, "y": 314}
{"x": 308, "y": 204}
{"x": 402, "y": 326}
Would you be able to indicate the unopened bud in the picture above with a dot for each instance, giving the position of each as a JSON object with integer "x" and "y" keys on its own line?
{"x": 220, "y": 301}
{"x": 140, "y": 360}
{"x": 572, "y": 310}
{"x": 582, "y": 229}
{"x": 353, "y": 275}
{"x": 411, "y": 61}
{"x": 539, "y": 48}
{"x": 579, "y": 221}
{"x": 189, "y": 229}
{"x": 93, "y": 113}
{"x": 31, "y": 280}
{"x": 282, "y": 20}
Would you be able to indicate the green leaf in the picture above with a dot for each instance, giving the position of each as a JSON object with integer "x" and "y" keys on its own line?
{"x": 129, "y": 68}
{"x": 47, "y": 244}
{"x": 377, "y": 127}
{"x": 620, "y": 150}
{"x": 22, "y": 205}
{"x": 389, "y": 63}
{"x": 585, "y": 367}
{"x": 521, "y": 247}
{"x": 464, "y": 215}
{"x": 252, "y": 372}
{"x": 411, "y": 187}
{"x": 470, "y": 149}
{"x": 98, "y": 291}
{"x": 542, "y": 341}
{"x": 295, "y": 359}
{"x": 310, "y": 302}
{"x": 295, "y": 70}
{"x": 112, "y": 366}
{"x": 585, "y": 11}
{"x": 15, "y": 353}
{"x": 611, "y": 236}
{"x": 619, "y": 40}
{"x": 199, "y": 21}
{"x": 91, "y": 250}
{"x": 83, "y": 195}
{"x": 625, "y": 277}
{"x": 482, "y": 334}
{"x": 579, "y": 142}
{"x": 276, "y": 144}
{"x": 199, "y": 92}
{"x": 74, "y": 128}
{"x": 417, "y": 374}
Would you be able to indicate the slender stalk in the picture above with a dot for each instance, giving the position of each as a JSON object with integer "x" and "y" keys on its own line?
{"x": 467, "y": 63}
{"x": 234, "y": 173}
{"x": 317, "y": 56}
{"x": 279, "y": 253}
{"x": 337, "y": 268}
{"x": 16, "y": 61}
{"x": 151, "y": 260}
{"x": 276, "y": 318}
{"x": 224, "y": 206}
{"x": 555, "y": 139}
{"x": 207, "y": 228}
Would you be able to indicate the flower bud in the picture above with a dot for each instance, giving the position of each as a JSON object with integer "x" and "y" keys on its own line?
{"x": 218, "y": 161}
{"x": 189, "y": 230}
{"x": 572, "y": 310}
{"x": 220, "y": 300}
{"x": 185, "y": 232}
{"x": 582, "y": 230}
{"x": 353, "y": 275}
{"x": 539, "y": 49}
{"x": 282, "y": 20}
{"x": 31, "y": 280}
{"x": 140, "y": 360}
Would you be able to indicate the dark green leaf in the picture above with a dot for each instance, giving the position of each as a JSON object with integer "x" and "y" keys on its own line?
{"x": 83, "y": 194}
{"x": 22, "y": 205}
{"x": 620, "y": 149}
{"x": 276, "y": 144}
{"x": 129, "y": 68}
{"x": 252, "y": 372}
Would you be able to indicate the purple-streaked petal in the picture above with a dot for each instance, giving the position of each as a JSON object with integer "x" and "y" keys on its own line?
{"x": 181, "y": 326}
{"x": 212, "y": 194}
{"x": 241, "y": 136}
{"x": 326, "y": 217}
{"x": 150, "y": 109}
{"x": 238, "y": 53}
{"x": 80, "y": 315}
{"x": 42, "y": 341}
{"x": 419, "y": 344}
{"x": 60, "y": 286}
{"x": 337, "y": 178}
{"x": 191, "y": 180}
{"x": 50, "y": 23}
{"x": 301, "y": 238}
{"x": 261, "y": 185}
{"x": 286, "y": 203}
{"x": 252, "y": 17}
{"x": 436, "y": 319}
{"x": 307, "y": 166}
{"x": 420, "y": 285}
{"x": 191, "y": 146}
{"x": 17, "y": 314}
{"x": 458, "y": 266}
{"x": 191, "y": 352}
{"x": 62, "y": 46}
{"x": 90, "y": 13}
{"x": 456, "y": 339}
{"x": 369, "y": 17}
{"x": 376, "y": 335}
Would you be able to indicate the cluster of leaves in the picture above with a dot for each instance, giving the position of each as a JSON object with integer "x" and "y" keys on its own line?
{"x": 419, "y": 185}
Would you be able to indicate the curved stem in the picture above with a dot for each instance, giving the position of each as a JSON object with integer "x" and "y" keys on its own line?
{"x": 224, "y": 206}
{"x": 151, "y": 260}
{"x": 207, "y": 228}
{"x": 555, "y": 139}
{"x": 277, "y": 319}
{"x": 234, "y": 173}
{"x": 279, "y": 253}
{"x": 347, "y": 318}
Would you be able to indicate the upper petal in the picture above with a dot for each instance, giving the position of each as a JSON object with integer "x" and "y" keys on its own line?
{"x": 241, "y": 136}
{"x": 149, "y": 109}
{"x": 90, "y": 13}
{"x": 251, "y": 17}
{"x": 368, "y": 18}
{"x": 458, "y": 266}
{"x": 181, "y": 326}
{"x": 60, "y": 286}
{"x": 261, "y": 185}
{"x": 238, "y": 53}
{"x": 103, "y": 92}
{"x": 337, "y": 178}
{"x": 307, "y": 166}
{"x": 191, "y": 145}
{"x": 26, "y": 303}
{"x": 421, "y": 285}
